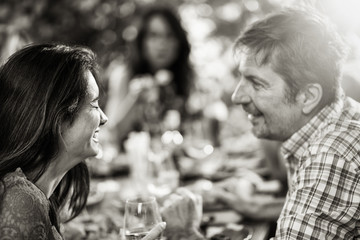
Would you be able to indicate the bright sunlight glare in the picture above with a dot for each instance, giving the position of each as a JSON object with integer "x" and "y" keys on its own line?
{"x": 344, "y": 13}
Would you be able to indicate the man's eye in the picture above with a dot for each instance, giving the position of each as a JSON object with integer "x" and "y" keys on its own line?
{"x": 257, "y": 85}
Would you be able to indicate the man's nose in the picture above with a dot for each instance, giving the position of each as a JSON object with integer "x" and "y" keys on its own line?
{"x": 241, "y": 94}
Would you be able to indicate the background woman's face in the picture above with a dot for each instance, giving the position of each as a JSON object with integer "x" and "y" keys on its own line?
{"x": 160, "y": 44}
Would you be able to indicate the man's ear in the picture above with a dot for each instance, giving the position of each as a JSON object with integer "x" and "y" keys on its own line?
{"x": 310, "y": 97}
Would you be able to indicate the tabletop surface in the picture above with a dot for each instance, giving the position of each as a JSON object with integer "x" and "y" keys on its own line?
{"x": 103, "y": 216}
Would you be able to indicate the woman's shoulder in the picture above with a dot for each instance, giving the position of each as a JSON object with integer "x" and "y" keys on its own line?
{"x": 24, "y": 209}
{"x": 17, "y": 182}
{"x": 14, "y": 178}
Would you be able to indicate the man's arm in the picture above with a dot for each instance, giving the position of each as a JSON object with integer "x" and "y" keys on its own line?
{"x": 257, "y": 206}
{"x": 325, "y": 203}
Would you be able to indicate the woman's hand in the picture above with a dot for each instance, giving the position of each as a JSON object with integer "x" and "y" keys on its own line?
{"x": 140, "y": 83}
{"x": 144, "y": 88}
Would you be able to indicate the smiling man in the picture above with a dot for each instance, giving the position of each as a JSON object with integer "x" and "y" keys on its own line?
{"x": 290, "y": 66}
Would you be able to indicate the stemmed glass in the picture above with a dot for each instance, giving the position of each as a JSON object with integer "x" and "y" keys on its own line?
{"x": 141, "y": 215}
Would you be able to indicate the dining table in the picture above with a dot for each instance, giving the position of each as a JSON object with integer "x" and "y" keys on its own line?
{"x": 198, "y": 165}
{"x": 103, "y": 216}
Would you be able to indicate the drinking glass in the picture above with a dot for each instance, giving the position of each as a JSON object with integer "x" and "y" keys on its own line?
{"x": 141, "y": 215}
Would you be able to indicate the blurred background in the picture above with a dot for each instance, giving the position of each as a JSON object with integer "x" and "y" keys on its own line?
{"x": 109, "y": 27}
{"x": 106, "y": 25}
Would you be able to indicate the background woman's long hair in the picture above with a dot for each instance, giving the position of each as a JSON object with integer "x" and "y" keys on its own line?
{"x": 37, "y": 86}
{"x": 181, "y": 68}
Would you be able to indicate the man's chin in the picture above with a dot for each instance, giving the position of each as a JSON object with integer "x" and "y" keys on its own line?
{"x": 267, "y": 136}
{"x": 260, "y": 134}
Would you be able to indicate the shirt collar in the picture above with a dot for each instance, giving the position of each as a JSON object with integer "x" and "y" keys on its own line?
{"x": 299, "y": 141}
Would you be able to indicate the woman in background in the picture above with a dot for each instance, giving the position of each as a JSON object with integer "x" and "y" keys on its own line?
{"x": 50, "y": 122}
{"x": 157, "y": 78}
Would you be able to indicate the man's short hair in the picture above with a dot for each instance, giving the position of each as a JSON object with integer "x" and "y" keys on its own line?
{"x": 302, "y": 46}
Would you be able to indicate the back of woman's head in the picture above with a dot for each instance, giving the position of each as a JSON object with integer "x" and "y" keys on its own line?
{"x": 41, "y": 86}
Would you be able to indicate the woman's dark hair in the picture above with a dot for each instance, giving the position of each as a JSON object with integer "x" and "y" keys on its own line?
{"x": 41, "y": 87}
{"x": 181, "y": 68}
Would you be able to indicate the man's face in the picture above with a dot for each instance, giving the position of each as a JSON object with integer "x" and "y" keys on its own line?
{"x": 262, "y": 94}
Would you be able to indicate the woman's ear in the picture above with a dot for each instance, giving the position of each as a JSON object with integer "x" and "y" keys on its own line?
{"x": 310, "y": 97}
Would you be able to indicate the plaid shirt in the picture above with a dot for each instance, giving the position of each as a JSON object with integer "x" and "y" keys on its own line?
{"x": 323, "y": 161}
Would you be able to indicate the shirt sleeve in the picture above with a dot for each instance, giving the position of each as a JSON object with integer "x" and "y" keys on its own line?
{"x": 23, "y": 215}
{"x": 325, "y": 203}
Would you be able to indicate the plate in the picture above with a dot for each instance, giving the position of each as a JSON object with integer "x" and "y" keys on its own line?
{"x": 234, "y": 232}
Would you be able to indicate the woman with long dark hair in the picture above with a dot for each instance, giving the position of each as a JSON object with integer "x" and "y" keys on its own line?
{"x": 50, "y": 121}
{"x": 158, "y": 76}
{"x": 162, "y": 44}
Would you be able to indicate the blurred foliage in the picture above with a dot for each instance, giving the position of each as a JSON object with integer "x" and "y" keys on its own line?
{"x": 100, "y": 24}
{"x": 106, "y": 25}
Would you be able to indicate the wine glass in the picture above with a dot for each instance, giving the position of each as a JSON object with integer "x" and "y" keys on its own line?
{"x": 141, "y": 215}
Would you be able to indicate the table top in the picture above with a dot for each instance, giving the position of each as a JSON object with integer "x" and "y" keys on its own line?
{"x": 103, "y": 216}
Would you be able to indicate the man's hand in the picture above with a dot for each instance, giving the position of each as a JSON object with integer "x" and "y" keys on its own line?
{"x": 182, "y": 212}
{"x": 155, "y": 232}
